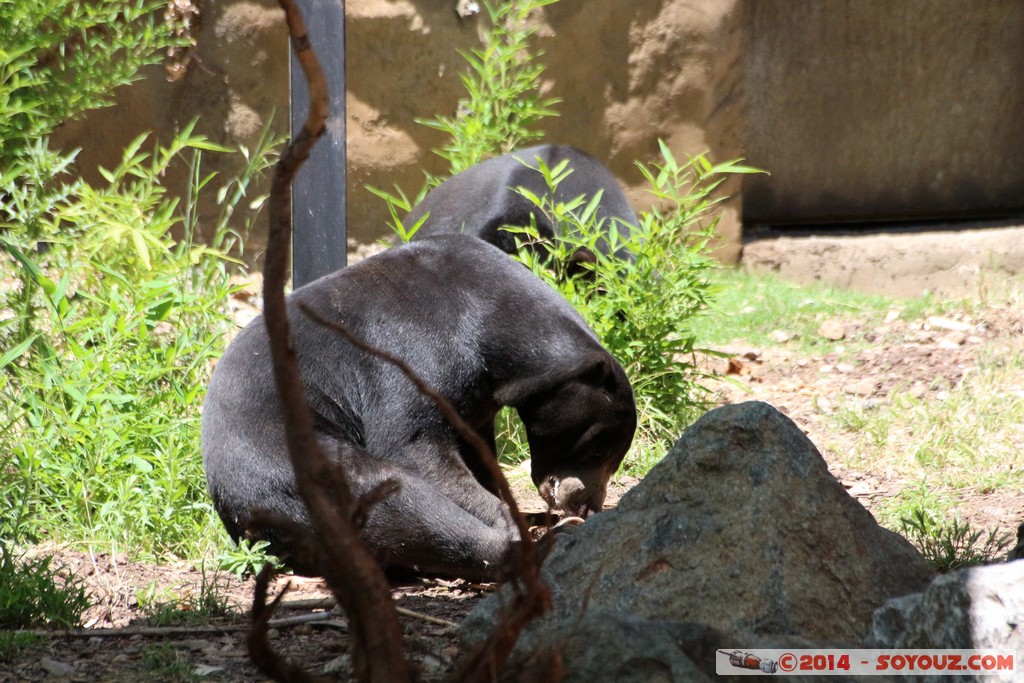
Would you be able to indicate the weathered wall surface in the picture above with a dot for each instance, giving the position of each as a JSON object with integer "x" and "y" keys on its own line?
{"x": 867, "y": 110}
{"x": 628, "y": 72}
{"x": 237, "y": 81}
{"x": 631, "y": 72}
{"x": 862, "y": 110}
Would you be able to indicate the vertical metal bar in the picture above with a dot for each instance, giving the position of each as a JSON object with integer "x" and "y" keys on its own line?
{"x": 318, "y": 199}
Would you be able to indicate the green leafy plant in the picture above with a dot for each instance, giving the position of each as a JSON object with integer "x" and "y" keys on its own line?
{"x": 399, "y": 205}
{"x": 108, "y": 324}
{"x": 953, "y": 544}
{"x": 247, "y": 558}
{"x": 116, "y": 324}
{"x": 62, "y": 57}
{"x": 58, "y": 59}
{"x": 502, "y": 108}
{"x": 503, "y": 100}
{"x": 33, "y": 593}
{"x": 640, "y": 307}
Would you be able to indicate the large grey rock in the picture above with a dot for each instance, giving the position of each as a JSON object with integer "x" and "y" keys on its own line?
{"x": 609, "y": 646}
{"x": 741, "y": 528}
{"x": 976, "y": 608}
{"x": 613, "y": 647}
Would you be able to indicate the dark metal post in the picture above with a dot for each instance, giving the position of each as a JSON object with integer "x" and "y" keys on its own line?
{"x": 318, "y": 200}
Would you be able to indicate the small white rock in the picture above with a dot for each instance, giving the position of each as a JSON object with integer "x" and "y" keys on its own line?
{"x": 56, "y": 668}
{"x": 949, "y": 324}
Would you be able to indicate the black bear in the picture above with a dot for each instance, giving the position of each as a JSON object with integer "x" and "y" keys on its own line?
{"x": 477, "y": 327}
{"x": 484, "y": 198}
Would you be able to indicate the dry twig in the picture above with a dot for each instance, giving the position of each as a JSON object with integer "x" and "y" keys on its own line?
{"x": 532, "y": 597}
{"x": 354, "y": 576}
{"x": 347, "y": 564}
{"x": 329, "y": 602}
{"x": 268, "y": 661}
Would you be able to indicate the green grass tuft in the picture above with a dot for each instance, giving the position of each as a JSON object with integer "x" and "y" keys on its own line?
{"x": 954, "y": 544}
{"x": 35, "y": 594}
{"x": 749, "y": 307}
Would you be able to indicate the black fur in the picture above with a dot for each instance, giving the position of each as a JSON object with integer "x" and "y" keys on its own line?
{"x": 482, "y": 199}
{"x": 474, "y": 325}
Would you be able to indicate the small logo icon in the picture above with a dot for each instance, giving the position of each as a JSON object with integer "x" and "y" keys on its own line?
{"x": 745, "y": 660}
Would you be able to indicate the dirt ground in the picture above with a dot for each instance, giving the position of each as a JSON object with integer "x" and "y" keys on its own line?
{"x": 901, "y": 355}
{"x": 948, "y": 259}
{"x": 924, "y": 359}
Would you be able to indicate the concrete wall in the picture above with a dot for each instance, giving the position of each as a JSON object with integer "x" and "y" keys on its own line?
{"x": 629, "y": 72}
{"x": 860, "y": 108}
{"x": 874, "y": 109}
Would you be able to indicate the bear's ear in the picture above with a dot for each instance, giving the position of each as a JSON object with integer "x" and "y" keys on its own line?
{"x": 581, "y": 263}
{"x": 593, "y": 369}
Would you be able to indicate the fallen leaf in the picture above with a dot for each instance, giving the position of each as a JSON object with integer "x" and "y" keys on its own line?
{"x": 204, "y": 670}
{"x": 735, "y": 367}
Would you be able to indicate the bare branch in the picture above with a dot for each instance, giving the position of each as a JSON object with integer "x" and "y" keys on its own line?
{"x": 262, "y": 655}
{"x": 532, "y": 597}
{"x": 329, "y": 602}
{"x": 180, "y": 631}
{"x": 348, "y": 566}
{"x": 141, "y": 631}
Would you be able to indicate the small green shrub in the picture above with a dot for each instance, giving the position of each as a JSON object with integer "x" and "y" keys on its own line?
{"x": 501, "y": 110}
{"x": 247, "y": 558}
{"x": 162, "y": 662}
{"x": 34, "y": 594}
{"x": 114, "y": 330}
{"x": 165, "y": 607}
{"x": 503, "y": 102}
{"x": 13, "y": 643}
{"x": 640, "y": 309}
{"x": 954, "y": 544}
